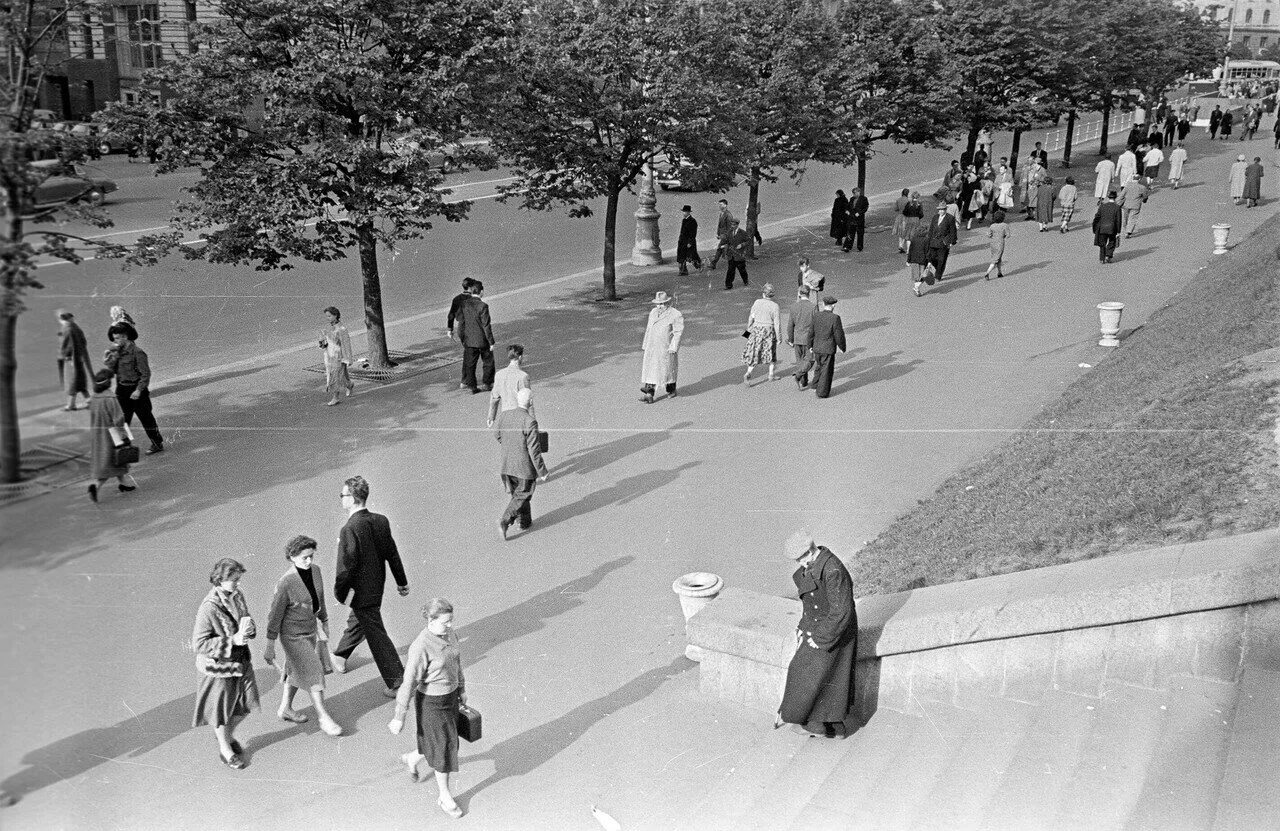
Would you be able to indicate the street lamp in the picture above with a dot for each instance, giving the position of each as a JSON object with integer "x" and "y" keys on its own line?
{"x": 647, "y": 250}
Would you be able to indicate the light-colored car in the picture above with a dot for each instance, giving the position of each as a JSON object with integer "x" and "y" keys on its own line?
{"x": 106, "y": 142}
{"x": 442, "y": 158}
{"x": 61, "y": 186}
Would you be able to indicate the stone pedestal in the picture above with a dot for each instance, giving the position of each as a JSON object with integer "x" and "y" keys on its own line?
{"x": 696, "y": 590}
{"x": 1220, "y": 233}
{"x": 1109, "y": 322}
{"x": 648, "y": 249}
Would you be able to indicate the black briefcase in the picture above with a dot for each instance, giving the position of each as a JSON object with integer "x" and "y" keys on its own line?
{"x": 469, "y": 724}
{"x": 544, "y": 441}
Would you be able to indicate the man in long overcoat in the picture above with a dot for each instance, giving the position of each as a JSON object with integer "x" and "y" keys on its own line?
{"x": 661, "y": 344}
{"x": 1106, "y": 228}
{"x": 819, "y": 688}
{"x": 687, "y": 244}
{"x": 1253, "y": 182}
{"x": 74, "y": 366}
{"x": 828, "y": 336}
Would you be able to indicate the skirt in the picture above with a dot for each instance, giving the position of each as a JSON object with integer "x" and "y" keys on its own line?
{"x": 438, "y": 730}
{"x": 219, "y": 700}
{"x": 900, "y": 227}
{"x": 762, "y": 347}
{"x": 337, "y": 379}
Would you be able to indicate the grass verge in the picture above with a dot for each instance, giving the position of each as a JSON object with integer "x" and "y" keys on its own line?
{"x": 1170, "y": 439}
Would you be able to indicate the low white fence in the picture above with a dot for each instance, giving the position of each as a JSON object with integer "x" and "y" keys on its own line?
{"x": 1055, "y": 140}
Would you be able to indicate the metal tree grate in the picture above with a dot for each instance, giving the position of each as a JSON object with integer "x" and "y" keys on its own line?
{"x": 44, "y": 468}
{"x": 408, "y": 364}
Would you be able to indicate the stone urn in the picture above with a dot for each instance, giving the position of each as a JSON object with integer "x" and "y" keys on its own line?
{"x": 1109, "y": 321}
{"x": 1220, "y": 233}
{"x": 696, "y": 590}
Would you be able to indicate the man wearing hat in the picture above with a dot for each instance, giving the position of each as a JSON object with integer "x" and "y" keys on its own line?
{"x": 735, "y": 252}
{"x": 800, "y": 334}
{"x": 661, "y": 343}
{"x": 687, "y": 244}
{"x": 1106, "y": 228}
{"x": 819, "y": 687}
{"x": 943, "y": 233}
{"x": 828, "y": 335}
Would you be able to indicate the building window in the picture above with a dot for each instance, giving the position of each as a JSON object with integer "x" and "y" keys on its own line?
{"x": 1248, "y": 15}
{"x": 1262, "y": 42}
{"x": 86, "y": 34}
{"x": 191, "y": 11}
{"x": 142, "y": 27}
{"x": 1266, "y": 16}
{"x": 1245, "y": 41}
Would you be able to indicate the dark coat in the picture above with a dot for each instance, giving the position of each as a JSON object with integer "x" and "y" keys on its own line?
{"x": 74, "y": 364}
{"x": 473, "y": 327}
{"x": 1106, "y": 223}
{"x": 943, "y": 232}
{"x": 517, "y": 434}
{"x": 455, "y": 308}
{"x": 858, "y": 208}
{"x": 828, "y": 333}
{"x": 839, "y": 217}
{"x": 736, "y": 246}
{"x": 800, "y": 323}
{"x": 365, "y": 548}
{"x": 819, "y": 688}
{"x": 688, "y": 232}
{"x": 918, "y": 249}
{"x": 826, "y": 590}
{"x": 1253, "y": 181}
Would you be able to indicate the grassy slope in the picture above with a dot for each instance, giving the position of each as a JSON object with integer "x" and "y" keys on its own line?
{"x": 1168, "y": 440}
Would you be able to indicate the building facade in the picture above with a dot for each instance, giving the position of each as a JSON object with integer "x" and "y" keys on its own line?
{"x": 1254, "y": 24}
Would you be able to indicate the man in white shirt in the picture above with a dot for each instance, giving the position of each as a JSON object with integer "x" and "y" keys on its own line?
{"x": 1151, "y": 163}
{"x": 507, "y": 383}
{"x": 1126, "y": 167}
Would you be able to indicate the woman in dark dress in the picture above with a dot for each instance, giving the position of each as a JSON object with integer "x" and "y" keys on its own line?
{"x": 839, "y": 217}
{"x": 228, "y": 689}
{"x": 819, "y": 686}
{"x": 74, "y": 366}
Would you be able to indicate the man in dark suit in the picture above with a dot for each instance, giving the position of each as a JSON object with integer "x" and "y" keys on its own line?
{"x": 857, "y": 225}
{"x": 1106, "y": 228}
{"x": 473, "y": 329}
{"x": 735, "y": 253}
{"x": 365, "y": 549}
{"x": 517, "y": 433}
{"x": 943, "y": 233}
{"x": 455, "y": 308}
{"x": 687, "y": 244}
{"x": 828, "y": 335}
{"x": 800, "y": 335}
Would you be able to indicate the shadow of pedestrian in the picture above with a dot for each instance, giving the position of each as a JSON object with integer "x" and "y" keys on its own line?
{"x": 591, "y": 459}
{"x": 861, "y": 372}
{"x": 526, "y": 752}
{"x": 1029, "y": 267}
{"x": 724, "y": 378}
{"x": 624, "y": 491}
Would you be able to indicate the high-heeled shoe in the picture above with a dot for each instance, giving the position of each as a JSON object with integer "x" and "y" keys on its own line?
{"x": 127, "y": 488}
{"x": 330, "y": 727}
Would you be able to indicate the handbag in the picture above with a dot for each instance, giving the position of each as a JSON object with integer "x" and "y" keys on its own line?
{"x": 125, "y": 452}
{"x": 746, "y": 333}
{"x": 470, "y": 725}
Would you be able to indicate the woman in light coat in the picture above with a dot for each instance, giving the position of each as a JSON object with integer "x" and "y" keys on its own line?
{"x": 104, "y": 414}
{"x": 228, "y": 689}
{"x": 764, "y": 325}
{"x": 298, "y": 619}
{"x": 661, "y": 345}
{"x": 1235, "y": 181}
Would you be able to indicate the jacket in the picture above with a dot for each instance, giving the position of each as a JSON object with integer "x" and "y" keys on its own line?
{"x": 800, "y": 323}
{"x": 688, "y": 232}
{"x": 217, "y": 622}
{"x": 1107, "y": 221}
{"x": 943, "y": 232}
{"x": 829, "y": 614}
{"x": 858, "y": 211}
{"x": 365, "y": 549}
{"x": 828, "y": 333}
{"x": 517, "y": 434}
{"x": 473, "y": 326}
{"x": 130, "y": 366}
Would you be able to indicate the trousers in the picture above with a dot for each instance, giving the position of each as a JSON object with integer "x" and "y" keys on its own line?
{"x": 365, "y": 623}
{"x": 520, "y": 508}
{"x": 938, "y": 259}
{"x": 824, "y": 372}
{"x": 142, "y": 407}
{"x": 471, "y": 354}
{"x": 804, "y": 362}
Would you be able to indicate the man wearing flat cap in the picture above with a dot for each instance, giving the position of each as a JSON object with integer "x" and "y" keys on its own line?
{"x": 828, "y": 336}
{"x": 819, "y": 688}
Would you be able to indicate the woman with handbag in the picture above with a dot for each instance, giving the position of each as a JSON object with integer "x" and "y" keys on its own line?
{"x": 228, "y": 689}
{"x": 299, "y": 620}
{"x": 763, "y": 328}
{"x": 105, "y": 414}
{"x": 433, "y": 679}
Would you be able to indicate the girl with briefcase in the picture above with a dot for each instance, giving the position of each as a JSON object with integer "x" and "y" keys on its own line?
{"x": 107, "y": 456}
{"x": 433, "y": 679}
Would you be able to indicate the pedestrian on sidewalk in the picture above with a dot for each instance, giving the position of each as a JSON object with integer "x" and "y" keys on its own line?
{"x": 1170, "y": 126}
{"x": 1104, "y": 172}
{"x": 764, "y": 325}
{"x": 365, "y": 550}
{"x": 507, "y": 383}
{"x": 661, "y": 346}
{"x": 1132, "y": 198}
{"x": 918, "y": 257}
{"x": 828, "y": 336}
{"x": 133, "y": 382}
{"x": 105, "y": 414}
{"x": 228, "y": 689}
{"x": 753, "y": 222}
{"x": 455, "y": 307}
{"x": 1107, "y": 223}
{"x": 912, "y": 217}
{"x": 1215, "y": 121}
{"x": 1184, "y": 127}
{"x": 687, "y": 244}
{"x": 839, "y": 217}
{"x": 435, "y": 682}
{"x": 1224, "y": 129}
{"x": 1126, "y": 167}
{"x": 724, "y": 228}
{"x": 1067, "y": 201}
{"x": 857, "y": 225}
{"x": 1151, "y": 164}
{"x": 943, "y": 233}
{"x": 74, "y": 367}
{"x": 813, "y": 279}
{"x": 735, "y": 254}
{"x": 997, "y": 233}
{"x": 900, "y": 219}
{"x": 474, "y": 330}
{"x": 298, "y": 619}
{"x": 1235, "y": 179}
{"x": 522, "y": 463}
{"x": 819, "y": 687}
{"x": 800, "y": 335}
{"x": 1177, "y": 159}
{"x": 1045, "y": 197}
{"x": 1253, "y": 182}
{"x": 336, "y": 343}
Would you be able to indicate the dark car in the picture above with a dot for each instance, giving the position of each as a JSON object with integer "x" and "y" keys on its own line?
{"x": 65, "y": 183}
{"x": 103, "y": 140}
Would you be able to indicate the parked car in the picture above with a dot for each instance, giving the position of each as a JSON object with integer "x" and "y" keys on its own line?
{"x": 106, "y": 142}
{"x": 442, "y": 158}
{"x": 43, "y": 119}
{"x": 66, "y": 183}
{"x": 682, "y": 174}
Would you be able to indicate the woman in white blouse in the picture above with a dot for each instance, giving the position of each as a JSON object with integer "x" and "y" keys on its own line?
{"x": 763, "y": 327}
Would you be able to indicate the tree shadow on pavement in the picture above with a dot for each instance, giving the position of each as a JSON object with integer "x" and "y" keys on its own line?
{"x": 526, "y": 752}
{"x": 620, "y": 493}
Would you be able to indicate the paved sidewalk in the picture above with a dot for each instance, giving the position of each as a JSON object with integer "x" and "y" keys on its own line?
{"x": 572, "y": 639}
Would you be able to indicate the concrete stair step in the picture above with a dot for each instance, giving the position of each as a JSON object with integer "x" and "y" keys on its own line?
{"x": 992, "y": 737}
{"x": 1042, "y": 765}
{"x": 787, "y": 794}
{"x": 1179, "y": 793}
{"x": 1106, "y": 784}
{"x": 1249, "y": 797}
{"x": 729, "y": 803}
{"x": 879, "y": 787}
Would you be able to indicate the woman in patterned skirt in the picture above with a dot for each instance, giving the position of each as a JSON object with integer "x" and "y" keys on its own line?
{"x": 763, "y": 326}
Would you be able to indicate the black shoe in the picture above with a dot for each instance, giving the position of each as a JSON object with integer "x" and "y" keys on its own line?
{"x": 236, "y": 748}
{"x": 154, "y": 449}
{"x": 93, "y": 492}
{"x": 672, "y": 394}
{"x": 474, "y": 390}
{"x": 126, "y": 489}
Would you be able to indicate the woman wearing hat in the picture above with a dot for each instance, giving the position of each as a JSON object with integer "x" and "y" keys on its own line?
{"x": 105, "y": 413}
{"x": 661, "y": 342}
{"x": 763, "y": 326}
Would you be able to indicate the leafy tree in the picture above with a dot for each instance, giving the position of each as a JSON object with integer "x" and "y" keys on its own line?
{"x": 1270, "y": 53}
{"x": 1181, "y": 40}
{"x": 311, "y": 172}
{"x": 35, "y": 35}
{"x": 593, "y": 91}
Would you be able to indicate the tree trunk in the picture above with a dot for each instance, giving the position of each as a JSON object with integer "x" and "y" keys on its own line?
{"x": 10, "y": 440}
{"x": 753, "y": 210}
{"x": 1013, "y": 150}
{"x": 1071, "y": 132}
{"x": 1106, "y": 128}
{"x": 377, "y": 336}
{"x": 862, "y": 171}
{"x": 610, "y": 243}
{"x": 972, "y": 144}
